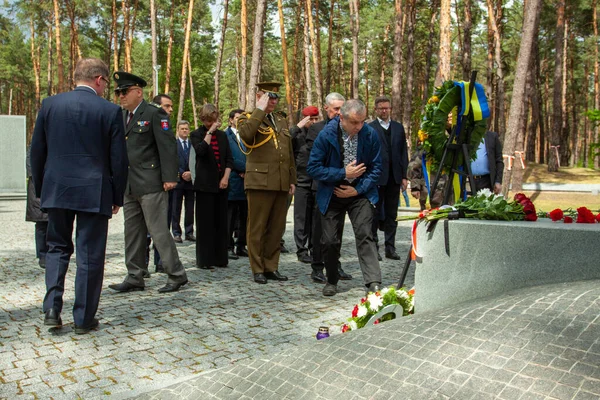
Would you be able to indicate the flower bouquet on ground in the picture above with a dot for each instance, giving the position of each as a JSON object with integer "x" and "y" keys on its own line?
{"x": 484, "y": 205}
{"x": 582, "y": 215}
{"x": 375, "y": 302}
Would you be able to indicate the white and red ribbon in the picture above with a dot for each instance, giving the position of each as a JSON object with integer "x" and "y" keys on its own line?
{"x": 510, "y": 160}
{"x": 521, "y": 158}
{"x": 557, "y": 155}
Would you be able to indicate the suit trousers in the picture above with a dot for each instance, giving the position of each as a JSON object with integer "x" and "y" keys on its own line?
{"x": 267, "y": 211}
{"x": 304, "y": 204}
{"x": 41, "y": 246}
{"x": 360, "y": 211}
{"x": 211, "y": 228}
{"x": 237, "y": 216}
{"x": 91, "y": 233}
{"x": 148, "y": 214}
{"x": 483, "y": 182}
{"x": 386, "y": 211}
{"x": 188, "y": 220}
{"x": 157, "y": 260}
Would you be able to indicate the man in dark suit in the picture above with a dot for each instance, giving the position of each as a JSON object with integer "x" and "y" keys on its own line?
{"x": 79, "y": 169}
{"x": 152, "y": 153}
{"x": 393, "y": 179}
{"x": 184, "y": 188}
{"x": 488, "y": 167}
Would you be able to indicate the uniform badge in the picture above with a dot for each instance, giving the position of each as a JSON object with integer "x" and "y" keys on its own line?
{"x": 143, "y": 123}
{"x": 164, "y": 123}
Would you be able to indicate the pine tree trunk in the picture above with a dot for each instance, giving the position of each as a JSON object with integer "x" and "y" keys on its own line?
{"x": 36, "y": 64}
{"x": 355, "y": 26}
{"x": 564, "y": 131}
{"x": 243, "y": 100}
{"x": 296, "y": 76}
{"x": 193, "y": 98}
{"x": 286, "y": 73}
{"x": 596, "y": 137}
{"x": 410, "y": 65}
{"x": 126, "y": 12}
{"x": 500, "y": 102}
{"x": 170, "y": 49}
{"x": 257, "y": 49}
{"x": 329, "y": 48}
{"x": 384, "y": 51}
{"x": 366, "y": 64}
{"x": 220, "y": 54}
{"x": 553, "y": 157}
{"x": 586, "y": 130}
{"x": 514, "y": 136}
{"x": 397, "y": 62}
{"x": 531, "y": 132}
{"x": 491, "y": 81}
{"x": 445, "y": 51}
{"x": 315, "y": 57}
{"x": 59, "y": 61}
{"x": 115, "y": 37}
{"x": 154, "y": 52}
{"x": 466, "y": 47}
{"x": 429, "y": 53}
{"x": 307, "y": 80}
{"x": 50, "y": 91}
{"x": 184, "y": 64}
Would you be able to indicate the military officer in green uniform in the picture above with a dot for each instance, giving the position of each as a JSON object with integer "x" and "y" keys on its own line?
{"x": 270, "y": 177}
{"x": 153, "y": 168}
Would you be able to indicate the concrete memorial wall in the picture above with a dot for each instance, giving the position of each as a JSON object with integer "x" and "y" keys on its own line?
{"x": 470, "y": 259}
{"x": 13, "y": 177}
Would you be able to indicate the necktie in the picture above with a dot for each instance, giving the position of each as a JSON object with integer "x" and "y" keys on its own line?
{"x": 271, "y": 119}
{"x": 129, "y": 118}
{"x": 185, "y": 146}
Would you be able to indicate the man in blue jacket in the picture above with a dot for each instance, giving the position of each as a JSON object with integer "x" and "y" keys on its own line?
{"x": 79, "y": 169}
{"x": 346, "y": 161}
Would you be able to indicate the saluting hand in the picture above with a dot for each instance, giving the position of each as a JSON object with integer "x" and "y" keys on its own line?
{"x": 303, "y": 122}
{"x": 262, "y": 102}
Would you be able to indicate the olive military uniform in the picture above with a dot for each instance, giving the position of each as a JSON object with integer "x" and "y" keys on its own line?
{"x": 270, "y": 170}
{"x": 152, "y": 151}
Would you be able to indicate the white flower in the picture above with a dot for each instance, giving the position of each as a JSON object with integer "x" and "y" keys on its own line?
{"x": 384, "y": 291}
{"x": 362, "y": 311}
{"x": 374, "y": 301}
{"x": 497, "y": 196}
{"x": 484, "y": 192}
{"x": 401, "y": 294}
{"x": 353, "y": 325}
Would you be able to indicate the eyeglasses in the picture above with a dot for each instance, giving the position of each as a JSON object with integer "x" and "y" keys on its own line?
{"x": 384, "y": 108}
{"x": 122, "y": 92}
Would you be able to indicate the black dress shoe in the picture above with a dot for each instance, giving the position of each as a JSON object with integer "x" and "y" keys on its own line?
{"x": 318, "y": 277}
{"x": 373, "y": 287}
{"x": 52, "y": 318}
{"x": 177, "y": 239}
{"x": 379, "y": 257}
{"x": 206, "y": 267}
{"x": 275, "y": 276}
{"x": 329, "y": 290}
{"x": 221, "y": 266}
{"x": 392, "y": 255}
{"x": 82, "y": 330}
{"x": 232, "y": 256}
{"x": 126, "y": 287}
{"x": 172, "y": 287}
{"x": 160, "y": 269}
{"x": 42, "y": 262}
{"x": 284, "y": 250}
{"x": 191, "y": 238}
{"x": 146, "y": 274}
{"x": 343, "y": 275}
{"x": 260, "y": 278}
{"x": 305, "y": 258}
{"x": 242, "y": 252}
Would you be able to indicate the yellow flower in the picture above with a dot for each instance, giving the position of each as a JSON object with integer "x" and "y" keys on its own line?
{"x": 422, "y": 135}
{"x": 435, "y": 99}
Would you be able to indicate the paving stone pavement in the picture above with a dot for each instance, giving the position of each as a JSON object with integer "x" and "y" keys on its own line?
{"x": 536, "y": 343}
{"x": 147, "y": 341}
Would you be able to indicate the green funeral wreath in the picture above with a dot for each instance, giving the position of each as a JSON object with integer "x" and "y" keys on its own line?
{"x": 433, "y": 133}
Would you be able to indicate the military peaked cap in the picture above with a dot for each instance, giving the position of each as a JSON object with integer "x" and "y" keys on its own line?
{"x": 125, "y": 80}
{"x": 269, "y": 87}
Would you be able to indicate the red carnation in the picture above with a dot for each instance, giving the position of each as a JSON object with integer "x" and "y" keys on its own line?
{"x": 355, "y": 311}
{"x": 363, "y": 300}
{"x": 531, "y": 217}
{"x": 528, "y": 207}
{"x": 598, "y": 217}
{"x": 519, "y": 197}
{"x": 556, "y": 215}
{"x": 568, "y": 220}
{"x": 585, "y": 216}
{"x": 345, "y": 328}
{"x": 376, "y": 322}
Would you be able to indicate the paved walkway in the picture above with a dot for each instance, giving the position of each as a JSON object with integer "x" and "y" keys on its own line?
{"x": 536, "y": 343}
{"x": 147, "y": 341}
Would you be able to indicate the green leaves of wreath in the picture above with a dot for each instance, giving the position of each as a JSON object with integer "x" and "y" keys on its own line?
{"x": 433, "y": 127}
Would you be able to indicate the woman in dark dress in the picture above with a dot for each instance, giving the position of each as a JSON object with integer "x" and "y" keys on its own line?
{"x": 213, "y": 166}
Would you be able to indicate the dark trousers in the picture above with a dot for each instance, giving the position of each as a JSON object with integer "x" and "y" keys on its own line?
{"x": 211, "y": 228}
{"x": 41, "y": 247}
{"x": 188, "y": 220}
{"x": 483, "y": 182}
{"x": 237, "y": 216}
{"x": 360, "y": 211}
{"x": 304, "y": 205}
{"x": 386, "y": 211}
{"x": 90, "y": 240}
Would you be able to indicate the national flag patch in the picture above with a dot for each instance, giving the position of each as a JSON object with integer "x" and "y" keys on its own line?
{"x": 164, "y": 123}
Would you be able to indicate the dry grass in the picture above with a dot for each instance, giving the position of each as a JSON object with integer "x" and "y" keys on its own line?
{"x": 538, "y": 173}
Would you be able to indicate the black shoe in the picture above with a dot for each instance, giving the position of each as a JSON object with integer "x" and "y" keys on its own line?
{"x": 329, "y": 290}
{"x": 318, "y": 277}
{"x": 260, "y": 278}
{"x": 232, "y": 256}
{"x": 52, "y": 318}
{"x": 379, "y": 257}
{"x": 344, "y": 276}
{"x": 191, "y": 238}
{"x": 146, "y": 274}
{"x": 126, "y": 287}
{"x": 284, "y": 250}
{"x": 82, "y": 330}
{"x": 275, "y": 276}
{"x": 242, "y": 252}
{"x": 373, "y": 287}
{"x": 177, "y": 239}
{"x": 392, "y": 255}
{"x": 172, "y": 287}
{"x": 221, "y": 266}
{"x": 160, "y": 269}
{"x": 206, "y": 267}
{"x": 42, "y": 262}
{"x": 305, "y": 258}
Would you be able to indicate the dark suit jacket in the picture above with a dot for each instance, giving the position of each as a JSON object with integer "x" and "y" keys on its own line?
{"x": 207, "y": 170}
{"x": 184, "y": 164}
{"x": 399, "y": 155}
{"x": 78, "y": 153}
{"x": 151, "y": 148}
{"x": 304, "y": 155}
{"x": 236, "y": 182}
{"x": 495, "y": 160}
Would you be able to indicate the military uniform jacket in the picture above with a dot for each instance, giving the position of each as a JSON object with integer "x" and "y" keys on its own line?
{"x": 270, "y": 166}
{"x": 152, "y": 150}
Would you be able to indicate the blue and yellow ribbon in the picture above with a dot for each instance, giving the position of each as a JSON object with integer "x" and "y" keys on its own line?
{"x": 478, "y": 102}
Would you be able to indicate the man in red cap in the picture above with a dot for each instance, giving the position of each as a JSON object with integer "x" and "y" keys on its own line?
{"x": 304, "y": 198}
